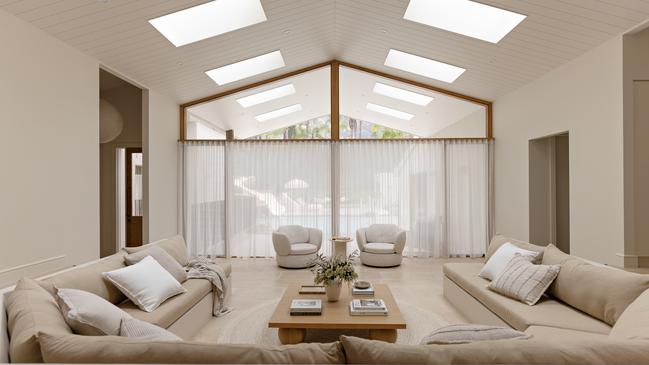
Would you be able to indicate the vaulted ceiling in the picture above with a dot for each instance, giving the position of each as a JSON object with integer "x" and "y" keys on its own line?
{"x": 117, "y": 33}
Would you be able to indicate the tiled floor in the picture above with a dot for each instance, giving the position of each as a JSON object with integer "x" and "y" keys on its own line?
{"x": 417, "y": 282}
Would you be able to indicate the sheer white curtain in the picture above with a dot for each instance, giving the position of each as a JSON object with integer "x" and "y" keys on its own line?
{"x": 399, "y": 182}
{"x": 468, "y": 197}
{"x": 276, "y": 183}
{"x": 204, "y": 198}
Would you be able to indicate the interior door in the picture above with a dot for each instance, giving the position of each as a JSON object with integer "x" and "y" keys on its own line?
{"x": 134, "y": 207}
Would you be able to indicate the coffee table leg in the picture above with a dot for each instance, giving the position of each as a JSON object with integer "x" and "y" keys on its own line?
{"x": 386, "y": 335}
{"x": 291, "y": 336}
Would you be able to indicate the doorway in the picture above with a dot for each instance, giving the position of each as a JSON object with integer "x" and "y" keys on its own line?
{"x": 133, "y": 194}
{"x": 549, "y": 189}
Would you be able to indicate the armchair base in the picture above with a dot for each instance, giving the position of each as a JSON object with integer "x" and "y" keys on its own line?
{"x": 296, "y": 261}
{"x": 381, "y": 259}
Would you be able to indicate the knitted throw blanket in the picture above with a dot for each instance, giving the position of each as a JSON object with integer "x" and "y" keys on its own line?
{"x": 203, "y": 268}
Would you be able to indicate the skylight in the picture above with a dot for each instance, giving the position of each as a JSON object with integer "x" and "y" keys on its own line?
{"x": 247, "y": 68}
{"x": 465, "y": 17}
{"x": 208, "y": 20}
{"x": 423, "y": 66}
{"x": 265, "y": 96}
{"x": 279, "y": 113}
{"x": 401, "y": 94}
{"x": 389, "y": 111}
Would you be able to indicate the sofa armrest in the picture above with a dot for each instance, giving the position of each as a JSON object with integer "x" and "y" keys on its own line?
{"x": 361, "y": 239}
{"x": 315, "y": 237}
{"x": 281, "y": 243}
{"x": 400, "y": 242}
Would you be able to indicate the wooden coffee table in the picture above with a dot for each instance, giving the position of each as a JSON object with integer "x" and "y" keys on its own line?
{"x": 335, "y": 315}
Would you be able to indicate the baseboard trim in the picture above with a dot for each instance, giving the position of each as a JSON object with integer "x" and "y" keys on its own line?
{"x": 634, "y": 261}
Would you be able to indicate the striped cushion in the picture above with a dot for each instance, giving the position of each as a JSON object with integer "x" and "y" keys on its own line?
{"x": 131, "y": 327}
{"x": 523, "y": 280}
{"x": 467, "y": 333}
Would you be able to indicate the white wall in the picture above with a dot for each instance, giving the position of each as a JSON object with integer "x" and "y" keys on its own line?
{"x": 160, "y": 145}
{"x": 473, "y": 125}
{"x": 583, "y": 97}
{"x": 49, "y": 123}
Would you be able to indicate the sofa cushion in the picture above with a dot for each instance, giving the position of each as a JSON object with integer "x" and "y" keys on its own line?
{"x": 381, "y": 233}
{"x": 303, "y": 248}
{"x": 499, "y": 260}
{"x": 499, "y": 240}
{"x": 467, "y": 333}
{"x": 362, "y": 351}
{"x": 31, "y": 309}
{"x": 633, "y": 324}
{"x": 169, "y": 311}
{"x": 175, "y": 246}
{"x": 524, "y": 281}
{"x": 601, "y": 291}
{"x": 163, "y": 258}
{"x": 89, "y": 278}
{"x": 546, "y": 333}
{"x": 295, "y": 233}
{"x": 133, "y": 327}
{"x": 113, "y": 349}
{"x": 379, "y": 247}
{"x": 89, "y": 314}
{"x": 146, "y": 283}
{"x": 546, "y": 312}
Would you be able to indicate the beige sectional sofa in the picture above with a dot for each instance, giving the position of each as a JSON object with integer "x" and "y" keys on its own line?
{"x": 604, "y": 329}
{"x": 183, "y": 314}
{"x": 590, "y": 311}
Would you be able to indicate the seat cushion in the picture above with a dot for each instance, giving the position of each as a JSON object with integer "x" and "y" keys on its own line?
{"x": 546, "y": 333}
{"x": 546, "y": 312}
{"x": 303, "y": 248}
{"x": 30, "y": 310}
{"x": 615, "y": 289}
{"x": 172, "y": 309}
{"x": 379, "y": 247}
{"x": 295, "y": 234}
{"x": 381, "y": 233}
{"x": 89, "y": 278}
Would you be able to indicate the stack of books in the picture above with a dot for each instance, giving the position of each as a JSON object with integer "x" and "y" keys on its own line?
{"x": 365, "y": 291}
{"x": 368, "y": 307}
{"x": 306, "y": 307}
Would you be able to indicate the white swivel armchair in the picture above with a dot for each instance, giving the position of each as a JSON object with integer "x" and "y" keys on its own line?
{"x": 296, "y": 246}
{"x": 381, "y": 245}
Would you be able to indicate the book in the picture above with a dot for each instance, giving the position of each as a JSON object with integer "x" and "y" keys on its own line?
{"x": 312, "y": 289}
{"x": 366, "y": 291}
{"x": 306, "y": 307}
{"x": 369, "y": 305}
{"x": 358, "y": 312}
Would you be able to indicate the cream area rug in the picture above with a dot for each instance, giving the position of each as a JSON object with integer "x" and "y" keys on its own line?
{"x": 250, "y": 325}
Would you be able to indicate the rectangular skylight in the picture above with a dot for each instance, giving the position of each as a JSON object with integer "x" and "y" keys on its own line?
{"x": 268, "y": 95}
{"x": 401, "y": 94}
{"x": 279, "y": 113}
{"x": 208, "y": 20}
{"x": 389, "y": 111}
{"x": 423, "y": 66}
{"x": 247, "y": 68}
{"x": 465, "y": 17}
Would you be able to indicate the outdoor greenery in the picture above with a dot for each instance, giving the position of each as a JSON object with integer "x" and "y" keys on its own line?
{"x": 320, "y": 128}
{"x": 329, "y": 270}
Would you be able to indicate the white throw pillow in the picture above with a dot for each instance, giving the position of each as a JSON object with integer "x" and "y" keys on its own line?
{"x": 89, "y": 314}
{"x": 147, "y": 283}
{"x": 499, "y": 260}
{"x": 136, "y": 328}
{"x": 467, "y": 333}
{"x": 524, "y": 281}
